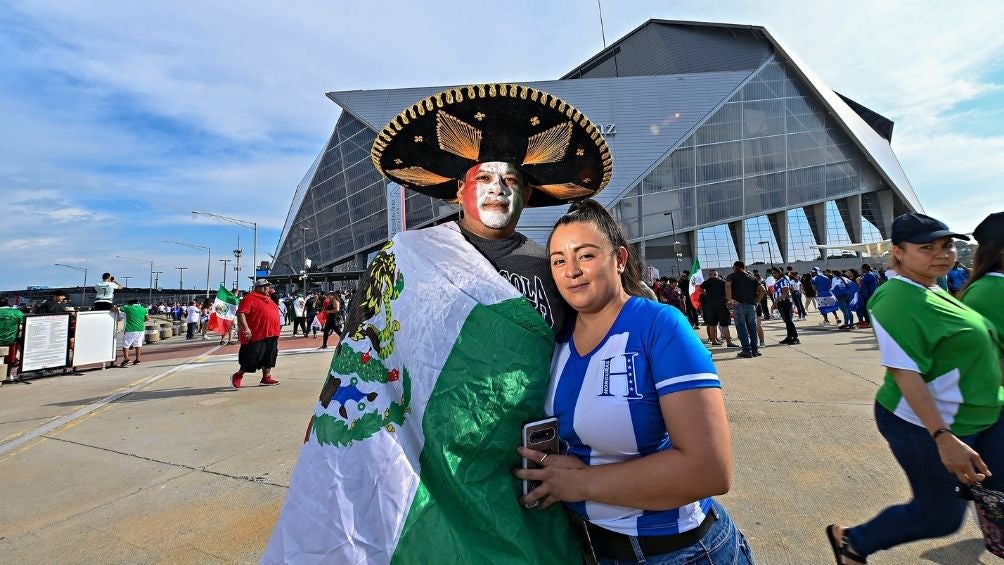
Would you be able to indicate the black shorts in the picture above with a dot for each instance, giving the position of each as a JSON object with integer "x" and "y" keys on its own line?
{"x": 717, "y": 315}
{"x": 333, "y": 325}
{"x": 102, "y": 305}
{"x": 258, "y": 355}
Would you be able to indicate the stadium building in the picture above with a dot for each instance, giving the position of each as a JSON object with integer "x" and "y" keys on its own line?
{"x": 724, "y": 144}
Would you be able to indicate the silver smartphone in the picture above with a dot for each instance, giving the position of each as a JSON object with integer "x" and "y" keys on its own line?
{"x": 539, "y": 435}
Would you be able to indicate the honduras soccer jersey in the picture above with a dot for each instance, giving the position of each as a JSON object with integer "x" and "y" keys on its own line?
{"x": 607, "y": 403}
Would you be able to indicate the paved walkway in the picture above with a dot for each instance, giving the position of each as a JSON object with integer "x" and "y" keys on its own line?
{"x": 163, "y": 462}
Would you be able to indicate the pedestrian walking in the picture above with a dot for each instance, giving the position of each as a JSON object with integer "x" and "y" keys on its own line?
{"x": 796, "y": 294}
{"x": 843, "y": 290}
{"x": 136, "y": 316}
{"x": 258, "y": 332}
{"x": 783, "y": 304}
{"x": 866, "y": 289}
{"x": 956, "y": 278}
{"x": 825, "y": 301}
{"x": 104, "y": 292}
{"x": 334, "y": 316}
{"x": 300, "y": 314}
{"x": 939, "y": 406}
{"x": 809, "y": 292}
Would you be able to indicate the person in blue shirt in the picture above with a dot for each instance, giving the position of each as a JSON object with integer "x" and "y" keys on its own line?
{"x": 636, "y": 396}
{"x": 825, "y": 301}
{"x": 957, "y": 278}
{"x": 869, "y": 284}
{"x": 783, "y": 304}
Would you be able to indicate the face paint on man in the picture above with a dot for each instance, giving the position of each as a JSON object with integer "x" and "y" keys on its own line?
{"x": 493, "y": 195}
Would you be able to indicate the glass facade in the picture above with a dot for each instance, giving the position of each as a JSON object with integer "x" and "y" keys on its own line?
{"x": 770, "y": 148}
{"x": 345, "y": 205}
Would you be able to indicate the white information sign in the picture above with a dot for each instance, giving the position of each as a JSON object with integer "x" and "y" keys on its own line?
{"x": 45, "y": 342}
{"x": 95, "y": 338}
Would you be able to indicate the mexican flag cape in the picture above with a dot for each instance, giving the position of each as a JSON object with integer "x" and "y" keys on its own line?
{"x": 409, "y": 455}
{"x": 696, "y": 278}
{"x": 224, "y": 312}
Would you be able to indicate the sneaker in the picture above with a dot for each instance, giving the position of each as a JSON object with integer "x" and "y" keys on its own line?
{"x": 731, "y": 346}
{"x": 235, "y": 380}
{"x": 268, "y": 381}
{"x": 756, "y": 353}
{"x": 785, "y": 341}
{"x": 794, "y": 341}
{"x": 745, "y": 354}
{"x": 716, "y": 342}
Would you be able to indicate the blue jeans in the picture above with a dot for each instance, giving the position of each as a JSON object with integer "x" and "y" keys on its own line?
{"x": 723, "y": 543}
{"x": 745, "y": 315}
{"x": 935, "y": 510}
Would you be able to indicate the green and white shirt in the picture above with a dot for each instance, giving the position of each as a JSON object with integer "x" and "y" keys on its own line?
{"x": 953, "y": 348}
{"x": 986, "y": 296}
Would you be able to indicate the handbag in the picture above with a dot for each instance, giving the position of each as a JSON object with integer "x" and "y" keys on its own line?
{"x": 990, "y": 510}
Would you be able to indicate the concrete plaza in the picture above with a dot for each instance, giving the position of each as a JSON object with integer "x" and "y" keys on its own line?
{"x": 165, "y": 463}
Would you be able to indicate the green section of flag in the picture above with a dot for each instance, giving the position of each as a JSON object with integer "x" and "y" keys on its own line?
{"x": 466, "y": 508}
{"x": 224, "y": 295}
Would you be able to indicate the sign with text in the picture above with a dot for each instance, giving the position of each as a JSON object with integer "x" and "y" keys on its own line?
{"x": 46, "y": 342}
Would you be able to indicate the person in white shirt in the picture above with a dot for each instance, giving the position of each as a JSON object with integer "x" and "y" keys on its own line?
{"x": 192, "y": 315}
{"x": 105, "y": 292}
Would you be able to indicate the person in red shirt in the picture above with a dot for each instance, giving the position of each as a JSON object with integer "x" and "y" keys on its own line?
{"x": 258, "y": 330}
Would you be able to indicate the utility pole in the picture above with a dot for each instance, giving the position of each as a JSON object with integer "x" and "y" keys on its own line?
{"x": 225, "y": 262}
{"x": 181, "y": 277}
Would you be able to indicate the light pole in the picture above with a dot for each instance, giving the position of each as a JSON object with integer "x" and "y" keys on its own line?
{"x": 181, "y": 278}
{"x": 303, "y": 241}
{"x": 150, "y": 298}
{"x": 127, "y": 281}
{"x": 83, "y": 292}
{"x": 769, "y": 251}
{"x": 225, "y": 262}
{"x": 156, "y": 280}
{"x": 253, "y": 226}
{"x": 237, "y": 263}
{"x": 208, "y": 263}
{"x": 676, "y": 244}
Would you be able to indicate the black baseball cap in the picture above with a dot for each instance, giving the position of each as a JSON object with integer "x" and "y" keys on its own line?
{"x": 914, "y": 227}
{"x": 990, "y": 229}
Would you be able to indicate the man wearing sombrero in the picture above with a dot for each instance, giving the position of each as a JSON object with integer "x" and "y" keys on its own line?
{"x": 447, "y": 347}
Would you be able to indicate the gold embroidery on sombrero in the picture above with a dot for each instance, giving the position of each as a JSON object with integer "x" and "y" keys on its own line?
{"x": 417, "y": 176}
{"x": 566, "y": 190}
{"x": 458, "y": 137}
{"x": 548, "y": 146}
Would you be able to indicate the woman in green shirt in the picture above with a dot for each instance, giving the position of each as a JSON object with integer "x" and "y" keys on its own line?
{"x": 985, "y": 290}
{"x": 939, "y": 407}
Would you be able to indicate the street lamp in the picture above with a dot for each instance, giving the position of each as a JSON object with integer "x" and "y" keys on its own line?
{"x": 303, "y": 242}
{"x": 83, "y": 292}
{"x": 225, "y": 262}
{"x": 253, "y": 226}
{"x": 181, "y": 278}
{"x": 676, "y": 244}
{"x": 769, "y": 251}
{"x": 127, "y": 281}
{"x": 237, "y": 263}
{"x": 208, "y": 263}
{"x": 156, "y": 280}
{"x": 150, "y": 299}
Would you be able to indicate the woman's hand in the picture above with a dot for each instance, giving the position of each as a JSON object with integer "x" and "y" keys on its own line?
{"x": 562, "y": 478}
{"x": 961, "y": 460}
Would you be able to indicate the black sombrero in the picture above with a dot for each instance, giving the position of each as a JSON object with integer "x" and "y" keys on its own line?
{"x": 432, "y": 144}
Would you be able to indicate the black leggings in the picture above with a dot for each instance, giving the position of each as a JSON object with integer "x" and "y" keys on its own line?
{"x": 784, "y": 307}
{"x": 331, "y": 326}
{"x": 300, "y": 322}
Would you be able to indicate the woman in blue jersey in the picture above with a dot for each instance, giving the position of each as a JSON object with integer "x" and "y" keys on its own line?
{"x": 939, "y": 407}
{"x": 640, "y": 408}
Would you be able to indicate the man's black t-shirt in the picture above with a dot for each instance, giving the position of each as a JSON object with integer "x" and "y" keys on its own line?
{"x": 714, "y": 292}
{"x": 523, "y": 262}
{"x": 744, "y": 287}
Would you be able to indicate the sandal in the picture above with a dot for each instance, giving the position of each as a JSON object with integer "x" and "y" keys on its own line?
{"x": 841, "y": 549}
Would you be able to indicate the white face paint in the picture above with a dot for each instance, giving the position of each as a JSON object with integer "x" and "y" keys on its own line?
{"x": 497, "y": 196}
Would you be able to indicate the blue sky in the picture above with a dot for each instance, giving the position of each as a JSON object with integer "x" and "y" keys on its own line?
{"x": 118, "y": 119}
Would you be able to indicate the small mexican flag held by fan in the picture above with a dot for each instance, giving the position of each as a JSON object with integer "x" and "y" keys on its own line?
{"x": 224, "y": 312}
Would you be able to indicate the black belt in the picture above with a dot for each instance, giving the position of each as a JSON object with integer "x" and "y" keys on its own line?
{"x": 611, "y": 545}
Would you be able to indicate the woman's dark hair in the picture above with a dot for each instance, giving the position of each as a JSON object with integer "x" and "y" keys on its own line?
{"x": 989, "y": 257}
{"x": 592, "y": 212}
